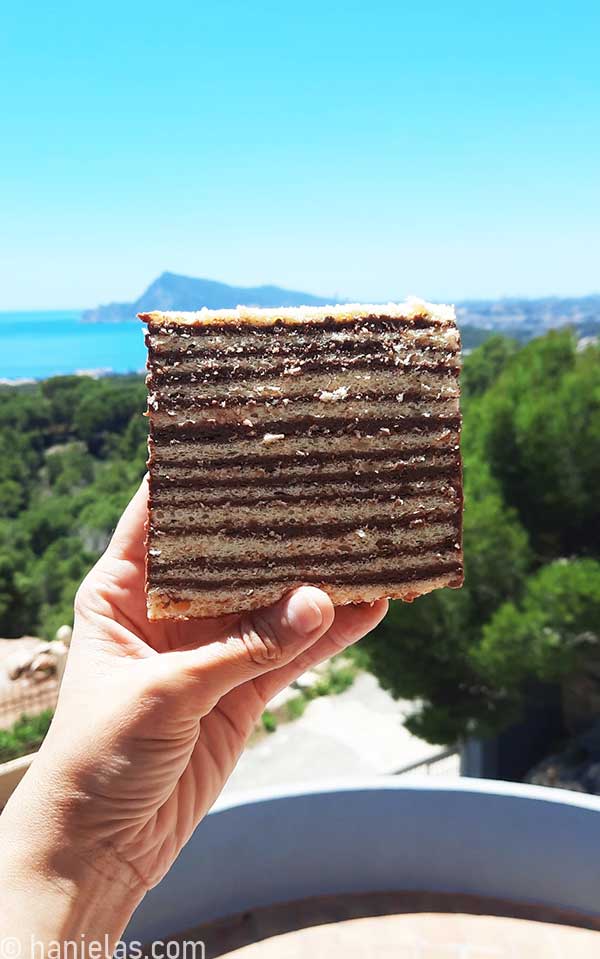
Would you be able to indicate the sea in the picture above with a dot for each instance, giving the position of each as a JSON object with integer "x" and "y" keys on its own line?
{"x": 38, "y": 344}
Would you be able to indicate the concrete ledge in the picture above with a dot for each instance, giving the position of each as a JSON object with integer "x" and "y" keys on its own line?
{"x": 527, "y": 845}
{"x": 11, "y": 774}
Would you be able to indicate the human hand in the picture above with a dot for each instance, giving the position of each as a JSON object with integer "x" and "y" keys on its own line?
{"x": 152, "y": 717}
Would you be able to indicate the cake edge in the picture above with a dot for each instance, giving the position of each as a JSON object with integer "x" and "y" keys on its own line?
{"x": 412, "y": 308}
{"x": 160, "y": 606}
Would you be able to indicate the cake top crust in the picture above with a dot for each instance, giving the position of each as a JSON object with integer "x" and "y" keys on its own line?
{"x": 412, "y": 308}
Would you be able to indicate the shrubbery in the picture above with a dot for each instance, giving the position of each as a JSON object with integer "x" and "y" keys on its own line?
{"x": 530, "y": 607}
{"x": 25, "y": 736}
{"x": 73, "y": 449}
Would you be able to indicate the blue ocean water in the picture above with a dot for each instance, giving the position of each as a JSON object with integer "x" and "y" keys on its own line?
{"x": 46, "y": 343}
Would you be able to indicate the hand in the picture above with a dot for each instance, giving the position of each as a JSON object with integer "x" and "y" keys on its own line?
{"x": 152, "y": 717}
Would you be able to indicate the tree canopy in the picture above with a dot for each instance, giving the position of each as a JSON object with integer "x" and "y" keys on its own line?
{"x": 72, "y": 450}
{"x": 529, "y": 606}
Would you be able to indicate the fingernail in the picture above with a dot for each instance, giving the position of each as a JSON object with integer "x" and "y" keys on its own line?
{"x": 303, "y": 614}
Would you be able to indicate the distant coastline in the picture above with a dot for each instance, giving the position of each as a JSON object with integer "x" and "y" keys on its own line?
{"x": 171, "y": 291}
{"x": 109, "y": 340}
{"x": 520, "y": 317}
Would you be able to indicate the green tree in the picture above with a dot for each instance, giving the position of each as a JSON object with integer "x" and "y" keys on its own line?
{"x": 531, "y": 447}
{"x": 69, "y": 469}
{"x": 63, "y": 395}
{"x": 422, "y": 650}
{"x": 548, "y": 631}
{"x": 72, "y": 451}
{"x": 19, "y": 597}
{"x": 486, "y": 363}
{"x": 107, "y": 409}
{"x": 538, "y": 428}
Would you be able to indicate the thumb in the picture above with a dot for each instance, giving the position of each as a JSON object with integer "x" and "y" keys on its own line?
{"x": 260, "y": 641}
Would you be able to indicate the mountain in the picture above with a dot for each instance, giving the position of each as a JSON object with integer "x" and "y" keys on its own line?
{"x": 518, "y": 317}
{"x": 173, "y": 292}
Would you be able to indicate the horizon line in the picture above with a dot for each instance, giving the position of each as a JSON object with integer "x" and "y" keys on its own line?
{"x": 504, "y": 298}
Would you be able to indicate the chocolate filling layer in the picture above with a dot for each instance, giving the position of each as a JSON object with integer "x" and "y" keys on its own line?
{"x": 290, "y": 348}
{"x": 311, "y": 458}
{"x": 363, "y": 579}
{"x": 299, "y": 530}
{"x": 160, "y": 483}
{"x": 308, "y": 425}
{"x": 366, "y": 493}
{"x": 208, "y": 564}
{"x": 162, "y": 375}
{"x": 183, "y": 401}
{"x": 233, "y": 328}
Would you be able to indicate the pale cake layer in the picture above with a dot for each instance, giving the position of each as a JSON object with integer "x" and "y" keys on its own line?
{"x": 305, "y": 453}
{"x": 386, "y": 485}
{"x": 394, "y": 381}
{"x": 298, "y": 474}
{"x": 413, "y": 311}
{"x": 294, "y": 343}
{"x": 237, "y": 517}
{"x": 398, "y": 414}
{"x": 176, "y": 549}
{"x": 302, "y": 446}
{"x": 367, "y": 568}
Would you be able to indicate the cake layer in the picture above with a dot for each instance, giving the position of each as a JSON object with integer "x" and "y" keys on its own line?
{"x": 175, "y": 549}
{"x": 305, "y": 453}
{"x": 166, "y": 346}
{"x": 413, "y": 314}
{"x": 194, "y": 604}
{"x": 302, "y": 446}
{"x": 369, "y": 573}
{"x": 394, "y": 382}
{"x": 385, "y": 484}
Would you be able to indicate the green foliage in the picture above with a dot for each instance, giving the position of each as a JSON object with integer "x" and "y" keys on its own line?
{"x": 422, "y": 649}
{"x": 106, "y": 410}
{"x": 19, "y": 597}
{"x": 333, "y": 682}
{"x": 25, "y": 736}
{"x": 295, "y": 707}
{"x": 72, "y": 451}
{"x": 549, "y": 631}
{"x": 538, "y": 428}
{"x": 69, "y": 469}
{"x": 337, "y": 679}
{"x": 531, "y": 448}
{"x": 269, "y": 721}
{"x": 485, "y": 364}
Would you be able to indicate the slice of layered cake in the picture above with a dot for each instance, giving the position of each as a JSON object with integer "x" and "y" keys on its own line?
{"x": 306, "y": 445}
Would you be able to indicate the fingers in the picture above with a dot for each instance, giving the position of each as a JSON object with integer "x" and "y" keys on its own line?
{"x": 351, "y": 624}
{"x": 128, "y": 540}
{"x": 261, "y": 641}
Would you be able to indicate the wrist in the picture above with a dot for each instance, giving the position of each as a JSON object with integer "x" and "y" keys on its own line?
{"x": 55, "y": 889}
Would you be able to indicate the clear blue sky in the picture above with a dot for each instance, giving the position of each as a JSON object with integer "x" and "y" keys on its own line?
{"x": 368, "y": 149}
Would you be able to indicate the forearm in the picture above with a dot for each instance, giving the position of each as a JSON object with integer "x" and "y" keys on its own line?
{"x": 49, "y": 892}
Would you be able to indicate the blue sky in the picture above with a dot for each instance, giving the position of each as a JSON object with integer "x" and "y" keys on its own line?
{"x": 365, "y": 149}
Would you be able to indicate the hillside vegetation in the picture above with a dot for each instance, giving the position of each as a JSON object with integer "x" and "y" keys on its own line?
{"x": 530, "y": 607}
{"x": 72, "y": 450}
